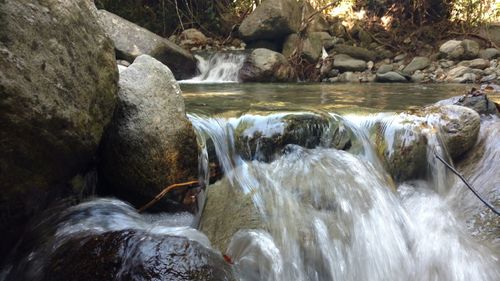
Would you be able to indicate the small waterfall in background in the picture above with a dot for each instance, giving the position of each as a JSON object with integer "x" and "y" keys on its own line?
{"x": 334, "y": 214}
{"x": 219, "y": 67}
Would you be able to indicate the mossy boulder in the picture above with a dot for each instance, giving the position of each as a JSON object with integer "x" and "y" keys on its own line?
{"x": 150, "y": 143}
{"x": 264, "y": 142}
{"x": 58, "y": 85}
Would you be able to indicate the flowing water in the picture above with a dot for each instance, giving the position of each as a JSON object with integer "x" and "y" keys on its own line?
{"x": 328, "y": 211}
{"x": 333, "y": 215}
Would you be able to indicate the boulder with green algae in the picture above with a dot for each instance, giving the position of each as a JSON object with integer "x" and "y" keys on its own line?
{"x": 135, "y": 255}
{"x": 58, "y": 85}
{"x": 264, "y": 143}
{"x": 227, "y": 210}
{"x": 150, "y": 142}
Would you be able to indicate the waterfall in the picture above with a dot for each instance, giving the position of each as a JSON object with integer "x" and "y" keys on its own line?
{"x": 334, "y": 214}
{"x": 219, "y": 67}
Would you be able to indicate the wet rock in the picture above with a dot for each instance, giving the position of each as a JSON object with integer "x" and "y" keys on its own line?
{"x": 58, "y": 85}
{"x": 476, "y": 100}
{"x": 490, "y": 53}
{"x": 460, "y": 127}
{"x": 135, "y": 255}
{"x": 390, "y": 77}
{"x": 150, "y": 143}
{"x": 132, "y": 41}
{"x": 354, "y": 52}
{"x": 192, "y": 37}
{"x": 263, "y": 65}
{"x": 311, "y": 46}
{"x": 306, "y": 130}
{"x": 402, "y": 148}
{"x": 347, "y": 63}
{"x": 418, "y": 63}
{"x": 272, "y": 19}
{"x": 222, "y": 218}
{"x": 475, "y": 64}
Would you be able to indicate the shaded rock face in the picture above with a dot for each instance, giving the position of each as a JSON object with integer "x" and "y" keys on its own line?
{"x": 58, "y": 85}
{"x": 311, "y": 46}
{"x": 132, "y": 41}
{"x": 135, "y": 255}
{"x": 192, "y": 37}
{"x": 150, "y": 143}
{"x": 418, "y": 63}
{"x": 455, "y": 49}
{"x": 263, "y": 65}
{"x": 478, "y": 102}
{"x": 354, "y": 52}
{"x": 272, "y": 19}
{"x": 306, "y": 130}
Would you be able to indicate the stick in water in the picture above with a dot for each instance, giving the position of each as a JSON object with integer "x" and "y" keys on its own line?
{"x": 467, "y": 184}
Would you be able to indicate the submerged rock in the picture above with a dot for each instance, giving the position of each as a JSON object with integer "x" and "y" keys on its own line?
{"x": 263, "y": 65}
{"x": 132, "y": 41}
{"x": 306, "y": 130}
{"x": 272, "y": 19}
{"x": 136, "y": 255}
{"x": 227, "y": 210}
{"x": 150, "y": 143}
{"x": 58, "y": 85}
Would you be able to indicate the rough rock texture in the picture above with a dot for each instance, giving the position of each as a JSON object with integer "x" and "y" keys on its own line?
{"x": 418, "y": 63}
{"x": 150, "y": 143}
{"x": 227, "y": 210}
{"x": 475, "y": 63}
{"x": 355, "y": 52}
{"x": 136, "y": 255}
{"x": 58, "y": 84}
{"x": 390, "y": 77}
{"x": 480, "y": 103}
{"x": 460, "y": 127}
{"x": 264, "y": 65}
{"x": 347, "y": 63}
{"x": 318, "y": 23}
{"x": 311, "y": 46}
{"x": 272, "y": 19}
{"x": 471, "y": 49}
{"x": 457, "y": 72}
{"x": 132, "y": 41}
{"x": 384, "y": 68}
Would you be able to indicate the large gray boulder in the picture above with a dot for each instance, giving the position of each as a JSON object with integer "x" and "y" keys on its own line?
{"x": 132, "y": 41}
{"x": 347, "y": 63}
{"x": 456, "y": 49}
{"x": 418, "y": 63}
{"x": 150, "y": 143}
{"x": 272, "y": 19}
{"x": 58, "y": 84}
{"x": 263, "y": 65}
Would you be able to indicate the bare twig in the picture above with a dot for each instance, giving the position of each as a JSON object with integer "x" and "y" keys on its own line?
{"x": 165, "y": 192}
